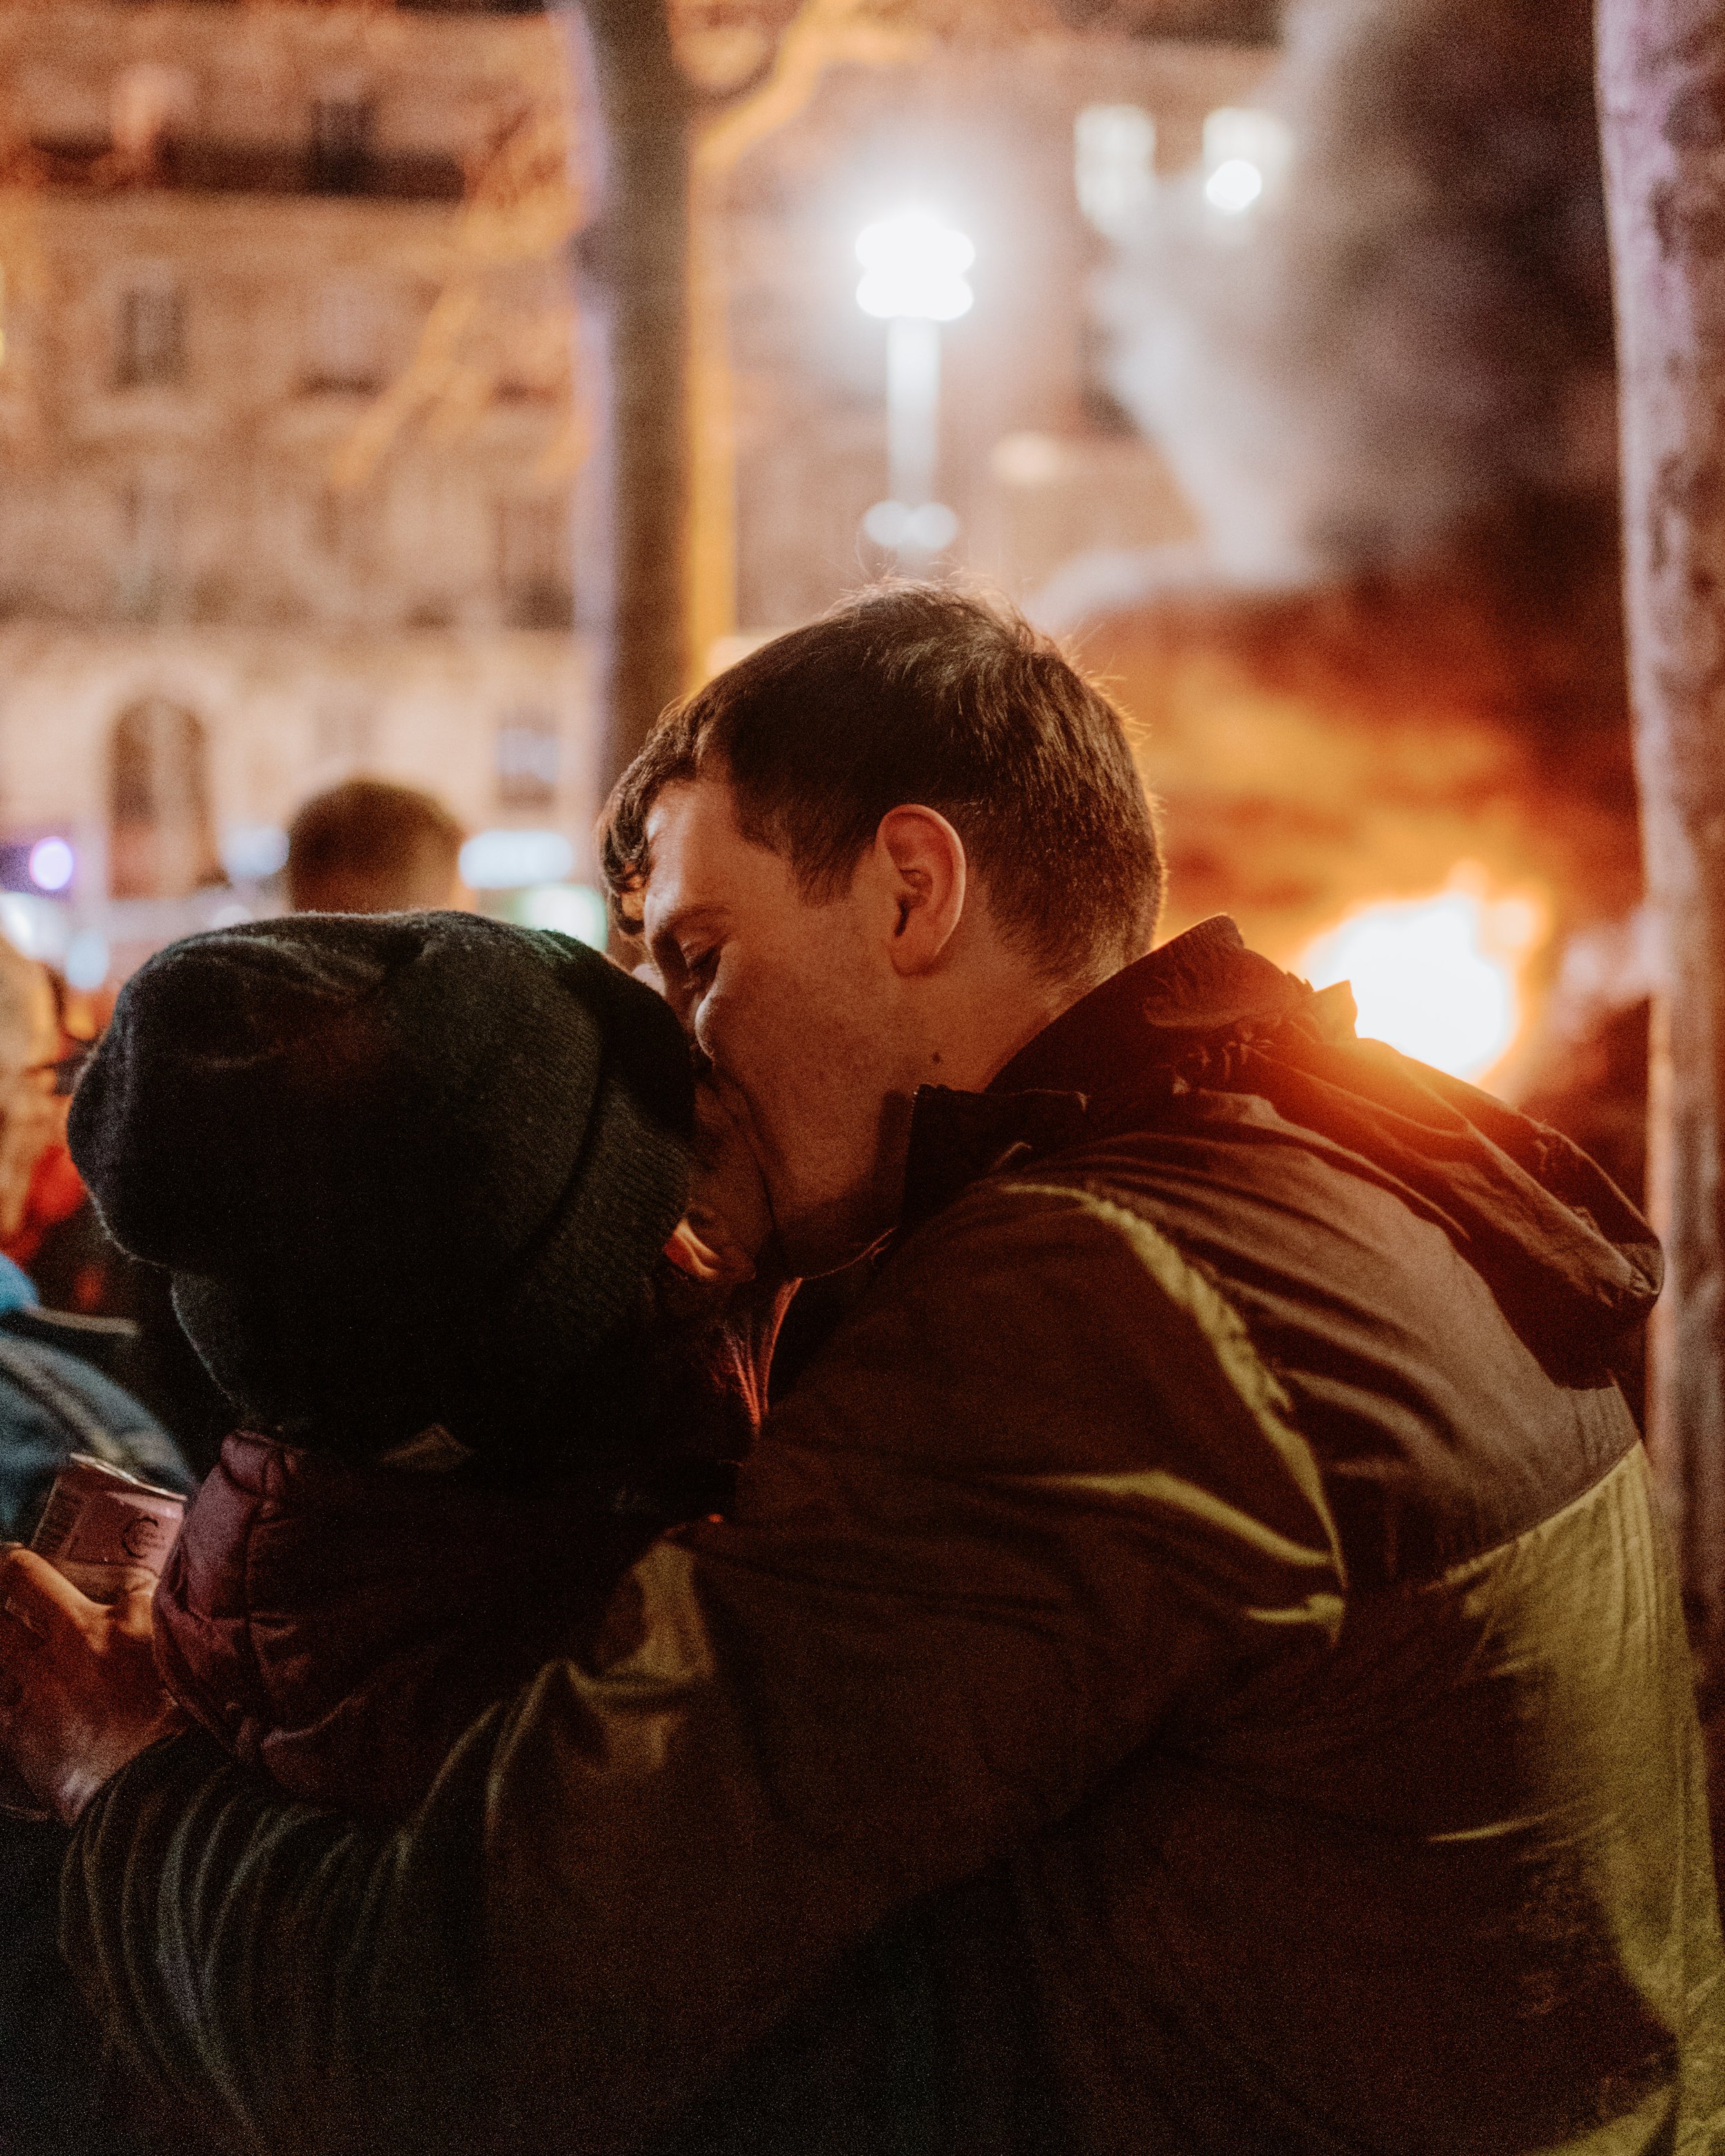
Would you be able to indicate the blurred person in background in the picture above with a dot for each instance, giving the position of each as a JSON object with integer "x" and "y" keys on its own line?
{"x": 57, "y": 2097}
{"x": 366, "y": 846}
{"x": 118, "y": 1307}
{"x": 370, "y": 846}
{"x": 55, "y": 1192}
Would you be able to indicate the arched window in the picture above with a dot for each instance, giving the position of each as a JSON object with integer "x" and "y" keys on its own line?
{"x": 161, "y": 837}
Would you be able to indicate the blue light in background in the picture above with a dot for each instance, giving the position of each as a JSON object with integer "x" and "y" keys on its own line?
{"x": 509, "y": 860}
{"x": 86, "y": 961}
{"x": 573, "y": 909}
{"x": 252, "y": 853}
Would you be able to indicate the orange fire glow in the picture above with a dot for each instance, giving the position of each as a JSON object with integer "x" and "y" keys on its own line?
{"x": 1439, "y": 978}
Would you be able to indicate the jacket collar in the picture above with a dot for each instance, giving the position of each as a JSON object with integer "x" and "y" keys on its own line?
{"x": 1201, "y": 982}
{"x": 1126, "y": 1036}
{"x": 1571, "y": 1262}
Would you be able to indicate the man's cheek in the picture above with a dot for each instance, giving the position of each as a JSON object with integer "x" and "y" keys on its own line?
{"x": 734, "y": 1023}
{"x": 723, "y": 1035}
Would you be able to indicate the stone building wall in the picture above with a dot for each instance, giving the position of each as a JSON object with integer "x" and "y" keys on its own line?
{"x": 181, "y": 383}
{"x": 229, "y": 229}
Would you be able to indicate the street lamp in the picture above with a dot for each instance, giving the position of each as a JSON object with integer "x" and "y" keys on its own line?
{"x": 913, "y": 280}
{"x": 1246, "y": 157}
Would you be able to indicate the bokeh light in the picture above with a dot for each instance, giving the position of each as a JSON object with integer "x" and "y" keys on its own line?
{"x": 51, "y": 862}
{"x": 1235, "y": 186}
{"x": 916, "y": 268}
{"x": 1438, "y": 978}
{"x": 510, "y": 860}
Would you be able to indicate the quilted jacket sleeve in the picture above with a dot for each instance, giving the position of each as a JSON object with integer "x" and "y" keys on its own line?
{"x": 1037, "y": 1493}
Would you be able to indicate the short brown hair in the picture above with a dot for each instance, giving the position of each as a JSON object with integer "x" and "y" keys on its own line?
{"x": 370, "y": 846}
{"x": 918, "y": 692}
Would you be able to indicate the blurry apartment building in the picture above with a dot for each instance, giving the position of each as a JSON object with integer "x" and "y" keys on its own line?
{"x": 290, "y": 446}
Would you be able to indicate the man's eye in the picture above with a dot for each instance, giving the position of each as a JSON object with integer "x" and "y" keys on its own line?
{"x": 697, "y": 963}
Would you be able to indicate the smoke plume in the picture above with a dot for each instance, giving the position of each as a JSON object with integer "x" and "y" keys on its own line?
{"x": 1415, "y": 330}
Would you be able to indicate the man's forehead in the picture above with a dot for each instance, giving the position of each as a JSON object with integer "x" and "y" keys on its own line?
{"x": 680, "y": 824}
{"x": 692, "y": 838}
{"x": 696, "y": 847}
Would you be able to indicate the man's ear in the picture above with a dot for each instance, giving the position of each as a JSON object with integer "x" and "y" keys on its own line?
{"x": 922, "y": 865}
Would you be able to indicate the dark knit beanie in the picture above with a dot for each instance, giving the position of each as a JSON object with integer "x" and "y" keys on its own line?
{"x": 401, "y": 1168}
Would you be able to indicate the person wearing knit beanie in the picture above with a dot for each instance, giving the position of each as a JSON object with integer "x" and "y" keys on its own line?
{"x": 401, "y": 1168}
{"x": 413, "y": 1176}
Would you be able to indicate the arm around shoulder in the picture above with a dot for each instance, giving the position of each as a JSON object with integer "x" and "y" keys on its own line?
{"x": 1035, "y": 1490}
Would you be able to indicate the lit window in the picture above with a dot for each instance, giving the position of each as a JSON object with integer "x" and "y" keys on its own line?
{"x": 533, "y": 556}
{"x": 343, "y": 121}
{"x": 529, "y": 755}
{"x": 346, "y": 342}
{"x": 147, "y": 106}
{"x": 1114, "y": 166}
{"x": 151, "y": 335}
{"x": 1246, "y": 156}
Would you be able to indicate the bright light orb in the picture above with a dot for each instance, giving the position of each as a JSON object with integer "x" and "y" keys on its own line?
{"x": 1436, "y": 977}
{"x": 915, "y": 267}
{"x": 51, "y": 863}
{"x": 930, "y": 528}
{"x": 1234, "y": 186}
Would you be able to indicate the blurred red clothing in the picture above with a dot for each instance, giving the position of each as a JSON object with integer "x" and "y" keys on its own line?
{"x": 56, "y": 1192}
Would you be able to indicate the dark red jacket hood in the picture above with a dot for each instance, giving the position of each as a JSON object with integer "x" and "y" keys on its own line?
{"x": 340, "y": 1625}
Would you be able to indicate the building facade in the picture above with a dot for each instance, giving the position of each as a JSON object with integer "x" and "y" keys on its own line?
{"x": 261, "y": 524}
{"x": 291, "y": 446}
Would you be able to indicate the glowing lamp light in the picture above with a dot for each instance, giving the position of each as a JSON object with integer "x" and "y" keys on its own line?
{"x": 253, "y": 853}
{"x": 915, "y": 268}
{"x": 51, "y": 863}
{"x": 1438, "y": 978}
{"x": 1247, "y": 155}
{"x": 930, "y": 528}
{"x": 31, "y": 925}
{"x": 1234, "y": 186}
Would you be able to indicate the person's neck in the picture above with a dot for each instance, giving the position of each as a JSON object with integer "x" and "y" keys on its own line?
{"x": 988, "y": 1021}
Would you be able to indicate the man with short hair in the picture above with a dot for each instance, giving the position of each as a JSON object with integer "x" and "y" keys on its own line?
{"x": 371, "y": 846}
{"x": 1192, "y": 1665}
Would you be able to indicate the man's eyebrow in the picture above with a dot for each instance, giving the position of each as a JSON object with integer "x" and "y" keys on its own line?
{"x": 677, "y": 922}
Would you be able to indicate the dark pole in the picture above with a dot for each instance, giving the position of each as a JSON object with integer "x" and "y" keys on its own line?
{"x": 632, "y": 109}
